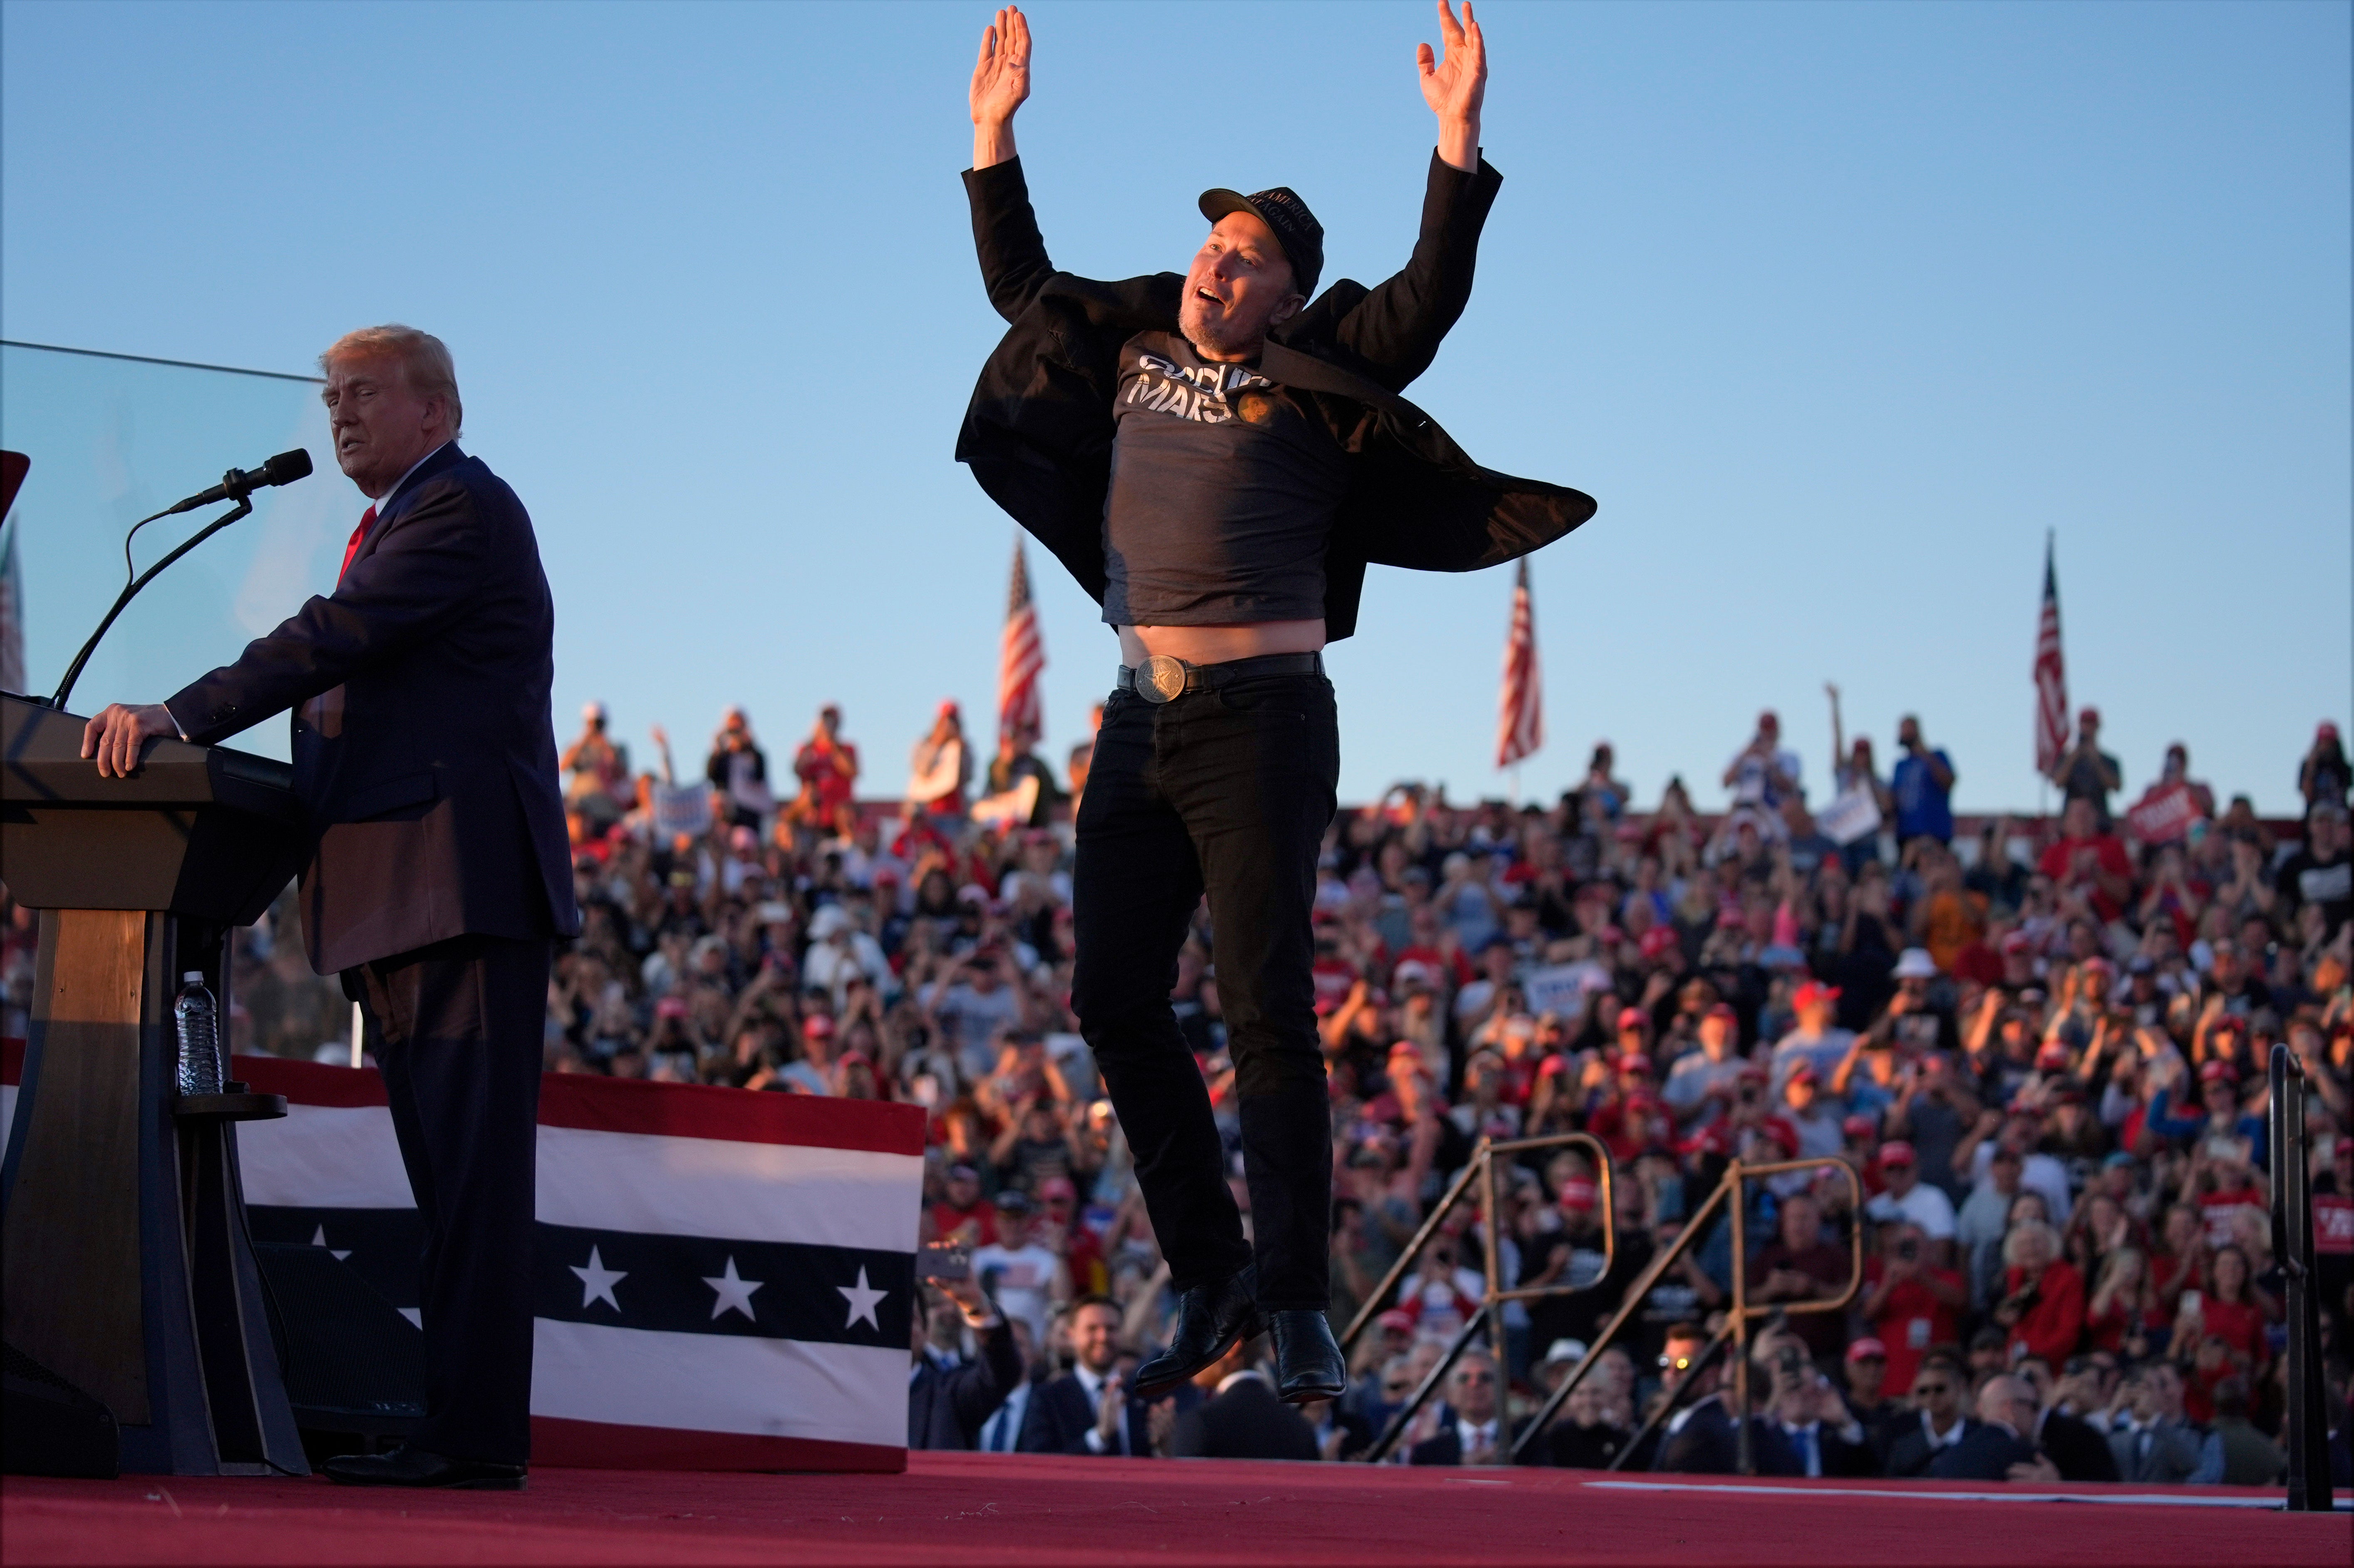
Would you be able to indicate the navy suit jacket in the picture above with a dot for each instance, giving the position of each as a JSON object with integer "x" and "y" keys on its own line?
{"x": 947, "y": 1407}
{"x": 1061, "y": 1415}
{"x": 424, "y": 755}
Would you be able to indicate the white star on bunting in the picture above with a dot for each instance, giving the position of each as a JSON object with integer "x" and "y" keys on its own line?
{"x": 596, "y": 1281}
{"x": 733, "y": 1295}
{"x": 319, "y": 1238}
{"x": 862, "y": 1302}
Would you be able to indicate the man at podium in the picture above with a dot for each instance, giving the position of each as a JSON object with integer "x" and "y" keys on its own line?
{"x": 439, "y": 870}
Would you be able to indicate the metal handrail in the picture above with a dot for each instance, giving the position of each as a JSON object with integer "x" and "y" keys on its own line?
{"x": 2307, "y": 1430}
{"x": 1372, "y": 1308}
{"x": 1481, "y": 1167}
{"x": 1737, "y": 1321}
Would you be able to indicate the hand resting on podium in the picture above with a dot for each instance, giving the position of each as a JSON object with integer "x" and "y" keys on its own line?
{"x": 116, "y": 735}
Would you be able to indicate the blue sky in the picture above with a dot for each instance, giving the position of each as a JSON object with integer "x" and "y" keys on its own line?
{"x": 1837, "y": 309}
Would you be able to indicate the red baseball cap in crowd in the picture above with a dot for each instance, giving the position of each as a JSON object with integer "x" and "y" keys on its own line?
{"x": 1896, "y": 1151}
{"x": 2218, "y": 1073}
{"x": 1783, "y": 1133}
{"x": 819, "y": 1024}
{"x": 1722, "y": 1010}
{"x": 1801, "y": 1072}
{"x": 1056, "y": 1187}
{"x": 1710, "y": 1140}
{"x": 2089, "y": 716}
{"x": 1397, "y": 1320}
{"x": 2096, "y": 964}
{"x": 1658, "y": 940}
{"x": 2324, "y": 730}
{"x": 2051, "y": 1056}
{"x": 1635, "y": 1061}
{"x": 1866, "y": 1349}
{"x": 1814, "y": 993}
{"x": 2017, "y": 942}
{"x": 1859, "y": 1127}
{"x": 1633, "y": 1018}
{"x": 1578, "y": 1193}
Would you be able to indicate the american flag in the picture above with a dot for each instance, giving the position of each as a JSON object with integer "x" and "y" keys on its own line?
{"x": 1520, "y": 707}
{"x": 12, "y": 583}
{"x": 1021, "y": 654}
{"x": 2051, "y": 674}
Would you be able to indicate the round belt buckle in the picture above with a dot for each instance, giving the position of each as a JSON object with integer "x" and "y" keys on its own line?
{"x": 1162, "y": 678}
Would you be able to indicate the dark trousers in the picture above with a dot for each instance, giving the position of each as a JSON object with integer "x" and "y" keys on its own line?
{"x": 1227, "y": 791}
{"x": 457, "y": 1029}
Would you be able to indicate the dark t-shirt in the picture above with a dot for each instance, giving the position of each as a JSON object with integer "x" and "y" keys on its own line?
{"x": 1223, "y": 487}
{"x": 2304, "y": 879}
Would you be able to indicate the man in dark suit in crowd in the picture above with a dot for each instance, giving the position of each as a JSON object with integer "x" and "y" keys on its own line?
{"x": 2077, "y": 1449}
{"x": 1940, "y": 1389}
{"x": 1700, "y": 1438}
{"x": 439, "y": 871}
{"x": 948, "y": 1398}
{"x": 1088, "y": 1410}
{"x": 2150, "y": 1440}
{"x": 1478, "y": 1434}
{"x": 1999, "y": 1448}
{"x": 1241, "y": 1418}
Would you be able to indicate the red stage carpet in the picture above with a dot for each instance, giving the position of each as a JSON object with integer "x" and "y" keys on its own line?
{"x": 970, "y": 1510}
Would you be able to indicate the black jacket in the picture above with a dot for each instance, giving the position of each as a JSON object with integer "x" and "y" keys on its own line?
{"x": 948, "y": 1405}
{"x": 2081, "y": 1451}
{"x": 1061, "y": 1415}
{"x": 424, "y": 756}
{"x": 1909, "y": 1455}
{"x": 1247, "y": 1421}
{"x": 1985, "y": 1453}
{"x": 1038, "y": 433}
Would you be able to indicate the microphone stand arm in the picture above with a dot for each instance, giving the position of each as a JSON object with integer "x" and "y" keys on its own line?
{"x": 73, "y": 670}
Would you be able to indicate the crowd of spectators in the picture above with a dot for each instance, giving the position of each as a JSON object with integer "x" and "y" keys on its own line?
{"x": 2038, "y": 1043}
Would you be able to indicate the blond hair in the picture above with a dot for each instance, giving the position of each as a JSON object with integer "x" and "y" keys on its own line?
{"x": 423, "y": 358}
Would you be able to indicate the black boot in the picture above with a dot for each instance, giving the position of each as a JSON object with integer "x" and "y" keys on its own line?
{"x": 1210, "y": 1319}
{"x": 1308, "y": 1364}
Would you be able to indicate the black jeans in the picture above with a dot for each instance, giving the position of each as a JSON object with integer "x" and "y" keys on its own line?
{"x": 458, "y": 1029}
{"x": 1227, "y": 791}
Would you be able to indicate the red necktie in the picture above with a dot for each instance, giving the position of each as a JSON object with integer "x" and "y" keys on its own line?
{"x": 368, "y": 521}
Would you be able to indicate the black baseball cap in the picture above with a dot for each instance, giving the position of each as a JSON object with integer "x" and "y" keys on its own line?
{"x": 1296, "y": 229}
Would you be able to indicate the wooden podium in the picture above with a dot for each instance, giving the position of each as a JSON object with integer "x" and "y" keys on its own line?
{"x": 128, "y": 1270}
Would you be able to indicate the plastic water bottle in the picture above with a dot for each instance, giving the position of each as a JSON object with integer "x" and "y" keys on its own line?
{"x": 197, "y": 1020}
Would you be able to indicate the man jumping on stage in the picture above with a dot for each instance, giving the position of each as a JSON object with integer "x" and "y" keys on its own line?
{"x": 1216, "y": 460}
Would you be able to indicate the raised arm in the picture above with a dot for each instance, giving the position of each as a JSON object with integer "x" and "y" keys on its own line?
{"x": 1014, "y": 263}
{"x": 1000, "y": 80}
{"x": 1394, "y": 332}
{"x": 1456, "y": 85}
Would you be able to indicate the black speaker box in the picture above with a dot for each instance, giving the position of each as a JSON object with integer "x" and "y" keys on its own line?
{"x": 51, "y": 1427}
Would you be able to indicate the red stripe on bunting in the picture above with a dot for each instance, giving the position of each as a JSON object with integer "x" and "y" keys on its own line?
{"x": 593, "y": 1104}
{"x": 561, "y": 1444}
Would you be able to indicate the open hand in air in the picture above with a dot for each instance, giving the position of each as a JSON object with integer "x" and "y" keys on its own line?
{"x": 1454, "y": 83}
{"x": 1001, "y": 77}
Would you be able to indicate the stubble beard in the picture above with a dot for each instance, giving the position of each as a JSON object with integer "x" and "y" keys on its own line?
{"x": 1213, "y": 337}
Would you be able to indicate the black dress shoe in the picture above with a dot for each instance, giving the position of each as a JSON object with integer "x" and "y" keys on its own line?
{"x": 1308, "y": 1364}
{"x": 1210, "y": 1317}
{"x": 416, "y": 1467}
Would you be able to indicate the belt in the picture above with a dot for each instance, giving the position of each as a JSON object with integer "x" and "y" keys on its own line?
{"x": 1164, "y": 677}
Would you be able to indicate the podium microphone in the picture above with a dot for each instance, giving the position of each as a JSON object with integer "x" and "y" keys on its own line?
{"x": 237, "y": 485}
